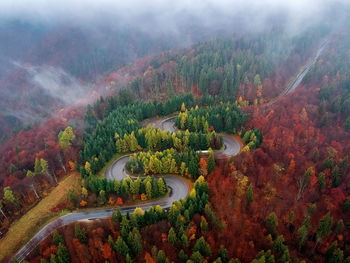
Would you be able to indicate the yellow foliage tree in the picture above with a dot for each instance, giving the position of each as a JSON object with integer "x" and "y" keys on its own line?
{"x": 87, "y": 167}
{"x": 183, "y": 107}
{"x": 139, "y": 211}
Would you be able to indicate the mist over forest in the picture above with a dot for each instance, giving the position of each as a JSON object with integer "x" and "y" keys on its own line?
{"x": 83, "y": 40}
{"x": 175, "y": 131}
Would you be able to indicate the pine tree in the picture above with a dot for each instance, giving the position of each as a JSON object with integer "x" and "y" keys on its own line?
{"x": 80, "y": 233}
{"x": 249, "y": 194}
{"x": 112, "y": 243}
{"x": 278, "y": 244}
{"x": 133, "y": 142}
{"x": 116, "y": 215}
{"x": 196, "y": 257}
{"x": 125, "y": 227}
{"x": 172, "y": 236}
{"x": 202, "y": 247}
{"x": 121, "y": 247}
{"x": 183, "y": 107}
{"x": 223, "y": 254}
{"x": 63, "y": 254}
{"x": 193, "y": 167}
{"x": 182, "y": 256}
{"x": 211, "y": 161}
{"x": 135, "y": 241}
{"x": 184, "y": 240}
{"x": 204, "y": 225}
{"x": 57, "y": 238}
{"x": 149, "y": 190}
{"x": 128, "y": 259}
{"x": 324, "y": 227}
{"x": 182, "y": 168}
{"x": 161, "y": 257}
{"x": 103, "y": 196}
{"x": 321, "y": 180}
{"x": 162, "y": 187}
{"x": 271, "y": 223}
{"x": 53, "y": 259}
{"x": 346, "y": 206}
{"x": 340, "y": 227}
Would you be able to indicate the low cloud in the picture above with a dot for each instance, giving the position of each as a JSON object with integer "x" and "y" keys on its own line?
{"x": 55, "y": 82}
{"x": 167, "y": 16}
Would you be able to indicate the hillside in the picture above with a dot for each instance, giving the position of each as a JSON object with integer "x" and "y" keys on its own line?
{"x": 291, "y": 172}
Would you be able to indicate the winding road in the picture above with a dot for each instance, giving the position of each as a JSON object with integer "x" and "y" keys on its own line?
{"x": 178, "y": 187}
{"x": 178, "y": 190}
{"x": 231, "y": 145}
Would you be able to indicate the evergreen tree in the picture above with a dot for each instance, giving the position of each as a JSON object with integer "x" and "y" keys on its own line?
{"x": 149, "y": 190}
{"x": 125, "y": 227}
{"x": 324, "y": 227}
{"x": 196, "y": 257}
{"x": 321, "y": 180}
{"x": 53, "y": 259}
{"x": 57, "y": 238}
{"x": 302, "y": 236}
{"x": 80, "y": 233}
{"x": 128, "y": 259}
{"x": 340, "y": 227}
{"x": 63, "y": 254}
{"x": 204, "y": 225}
{"x": 121, "y": 247}
{"x": 223, "y": 254}
{"x": 184, "y": 240}
{"x": 211, "y": 161}
{"x": 172, "y": 239}
{"x": 162, "y": 187}
{"x": 182, "y": 256}
{"x": 249, "y": 194}
{"x": 346, "y": 206}
{"x": 202, "y": 247}
{"x": 161, "y": 257}
{"x": 133, "y": 142}
{"x": 278, "y": 244}
{"x": 271, "y": 223}
{"x": 135, "y": 241}
{"x": 103, "y": 196}
{"x": 116, "y": 215}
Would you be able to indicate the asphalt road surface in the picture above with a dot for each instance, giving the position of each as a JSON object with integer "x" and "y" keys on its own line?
{"x": 168, "y": 124}
{"x": 231, "y": 145}
{"x": 306, "y": 69}
{"x": 178, "y": 190}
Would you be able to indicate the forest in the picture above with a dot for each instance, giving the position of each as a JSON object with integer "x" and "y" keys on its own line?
{"x": 284, "y": 198}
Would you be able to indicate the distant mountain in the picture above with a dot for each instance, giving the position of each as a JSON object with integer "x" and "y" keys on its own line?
{"x": 39, "y": 63}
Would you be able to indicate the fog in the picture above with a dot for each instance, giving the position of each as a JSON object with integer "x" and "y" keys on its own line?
{"x": 54, "y": 82}
{"x": 59, "y": 43}
{"x": 168, "y": 16}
